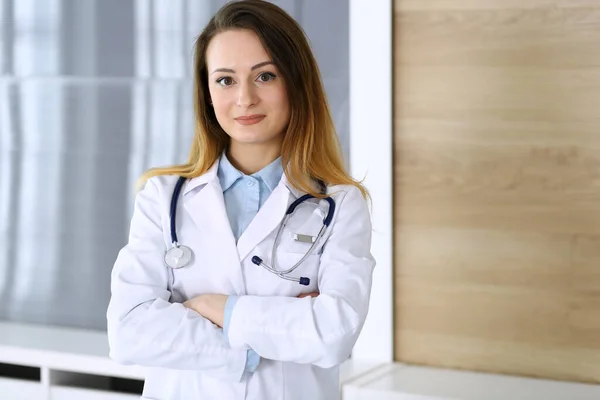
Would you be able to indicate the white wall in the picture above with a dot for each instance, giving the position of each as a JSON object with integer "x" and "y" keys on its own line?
{"x": 371, "y": 157}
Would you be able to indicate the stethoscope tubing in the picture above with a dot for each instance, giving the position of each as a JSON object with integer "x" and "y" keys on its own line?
{"x": 255, "y": 259}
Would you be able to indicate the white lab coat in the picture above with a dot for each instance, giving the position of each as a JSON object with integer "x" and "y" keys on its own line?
{"x": 301, "y": 342}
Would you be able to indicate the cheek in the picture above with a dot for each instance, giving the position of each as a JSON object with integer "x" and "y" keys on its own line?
{"x": 219, "y": 97}
{"x": 286, "y": 113}
{"x": 281, "y": 102}
{"x": 282, "y": 97}
{"x": 221, "y": 107}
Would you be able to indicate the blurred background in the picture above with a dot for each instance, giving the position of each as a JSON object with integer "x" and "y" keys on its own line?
{"x": 92, "y": 93}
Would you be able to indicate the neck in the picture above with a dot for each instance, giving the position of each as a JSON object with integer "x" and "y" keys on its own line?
{"x": 251, "y": 158}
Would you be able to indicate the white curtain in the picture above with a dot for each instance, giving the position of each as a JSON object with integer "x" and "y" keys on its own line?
{"x": 92, "y": 93}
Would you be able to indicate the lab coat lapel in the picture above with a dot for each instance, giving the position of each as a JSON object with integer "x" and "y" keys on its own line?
{"x": 206, "y": 208}
{"x": 266, "y": 220}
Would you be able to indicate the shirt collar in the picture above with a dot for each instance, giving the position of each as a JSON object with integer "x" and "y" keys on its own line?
{"x": 271, "y": 174}
{"x": 208, "y": 177}
{"x": 228, "y": 174}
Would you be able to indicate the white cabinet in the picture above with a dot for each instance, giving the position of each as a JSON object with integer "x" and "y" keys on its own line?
{"x": 17, "y": 389}
{"x": 53, "y": 363}
{"x": 69, "y": 393}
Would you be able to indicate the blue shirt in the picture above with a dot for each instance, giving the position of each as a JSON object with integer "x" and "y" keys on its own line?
{"x": 244, "y": 195}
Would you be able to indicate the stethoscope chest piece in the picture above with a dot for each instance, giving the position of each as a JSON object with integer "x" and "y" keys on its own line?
{"x": 178, "y": 256}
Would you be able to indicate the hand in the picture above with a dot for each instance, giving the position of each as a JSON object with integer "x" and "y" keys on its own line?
{"x": 311, "y": 294}
{"x": 210, "y": 306}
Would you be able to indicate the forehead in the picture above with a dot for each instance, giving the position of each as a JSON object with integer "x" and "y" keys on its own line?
{"x": 235, "y": 49}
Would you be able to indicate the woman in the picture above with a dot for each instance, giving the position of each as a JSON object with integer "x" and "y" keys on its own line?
{"x": 224, "y": 326}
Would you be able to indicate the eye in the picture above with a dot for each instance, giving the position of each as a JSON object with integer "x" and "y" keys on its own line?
{"x": 225, "y": 81}
{"x": 266, "y": 77}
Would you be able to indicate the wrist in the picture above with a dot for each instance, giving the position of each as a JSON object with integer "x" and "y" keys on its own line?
{"x": 197, "y": 304}
{"x": 211, "y": 307}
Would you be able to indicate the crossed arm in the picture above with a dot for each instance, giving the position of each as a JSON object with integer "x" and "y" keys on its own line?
{"x": 145, "y": 328}
{"x": 212, "y": 306}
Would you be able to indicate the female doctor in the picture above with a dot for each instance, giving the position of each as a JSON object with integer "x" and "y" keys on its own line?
{"x": 247, "y": 273}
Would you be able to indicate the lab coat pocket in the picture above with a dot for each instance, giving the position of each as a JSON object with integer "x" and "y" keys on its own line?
{"x": 293, "y": 249}
{"x": 301, "y": 231}
{"x": 299, "y": 243}
{"x": 309, "y": 268}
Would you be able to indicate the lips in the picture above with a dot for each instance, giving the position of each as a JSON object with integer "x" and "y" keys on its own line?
{"x": 250, "y": 119}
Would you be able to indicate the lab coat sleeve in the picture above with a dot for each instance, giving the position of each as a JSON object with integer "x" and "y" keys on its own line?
{"x": 144, "y": 327}
{"x": 322, "y": 330}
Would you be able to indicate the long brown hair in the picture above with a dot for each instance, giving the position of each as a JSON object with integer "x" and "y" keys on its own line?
{"x": 310, "y": 150}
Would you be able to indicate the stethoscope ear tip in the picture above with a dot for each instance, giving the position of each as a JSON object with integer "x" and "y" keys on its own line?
{"x": 257, "y": 260}
{"x": 304, "y": 281}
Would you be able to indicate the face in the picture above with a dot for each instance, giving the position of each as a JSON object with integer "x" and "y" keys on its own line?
{"x": 246, "y": 90}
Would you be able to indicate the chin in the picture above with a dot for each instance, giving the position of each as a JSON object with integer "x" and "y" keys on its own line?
{"x": 252, "y": 138}
{"x": 249, "y": 139}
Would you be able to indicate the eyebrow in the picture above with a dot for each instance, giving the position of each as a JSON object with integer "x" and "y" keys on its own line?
{"x": 259, "y": 65}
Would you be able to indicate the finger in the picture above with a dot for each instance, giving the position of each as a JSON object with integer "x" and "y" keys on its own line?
{"x": 312, "y": 294}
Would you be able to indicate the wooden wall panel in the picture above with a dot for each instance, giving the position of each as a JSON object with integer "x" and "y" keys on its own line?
{"x": 497, "y": 186}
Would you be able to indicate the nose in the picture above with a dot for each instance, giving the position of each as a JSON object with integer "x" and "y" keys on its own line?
{"x": 246, "y": 95}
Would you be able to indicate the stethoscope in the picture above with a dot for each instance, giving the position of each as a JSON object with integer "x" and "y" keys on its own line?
{"x": 179, "y": 256}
